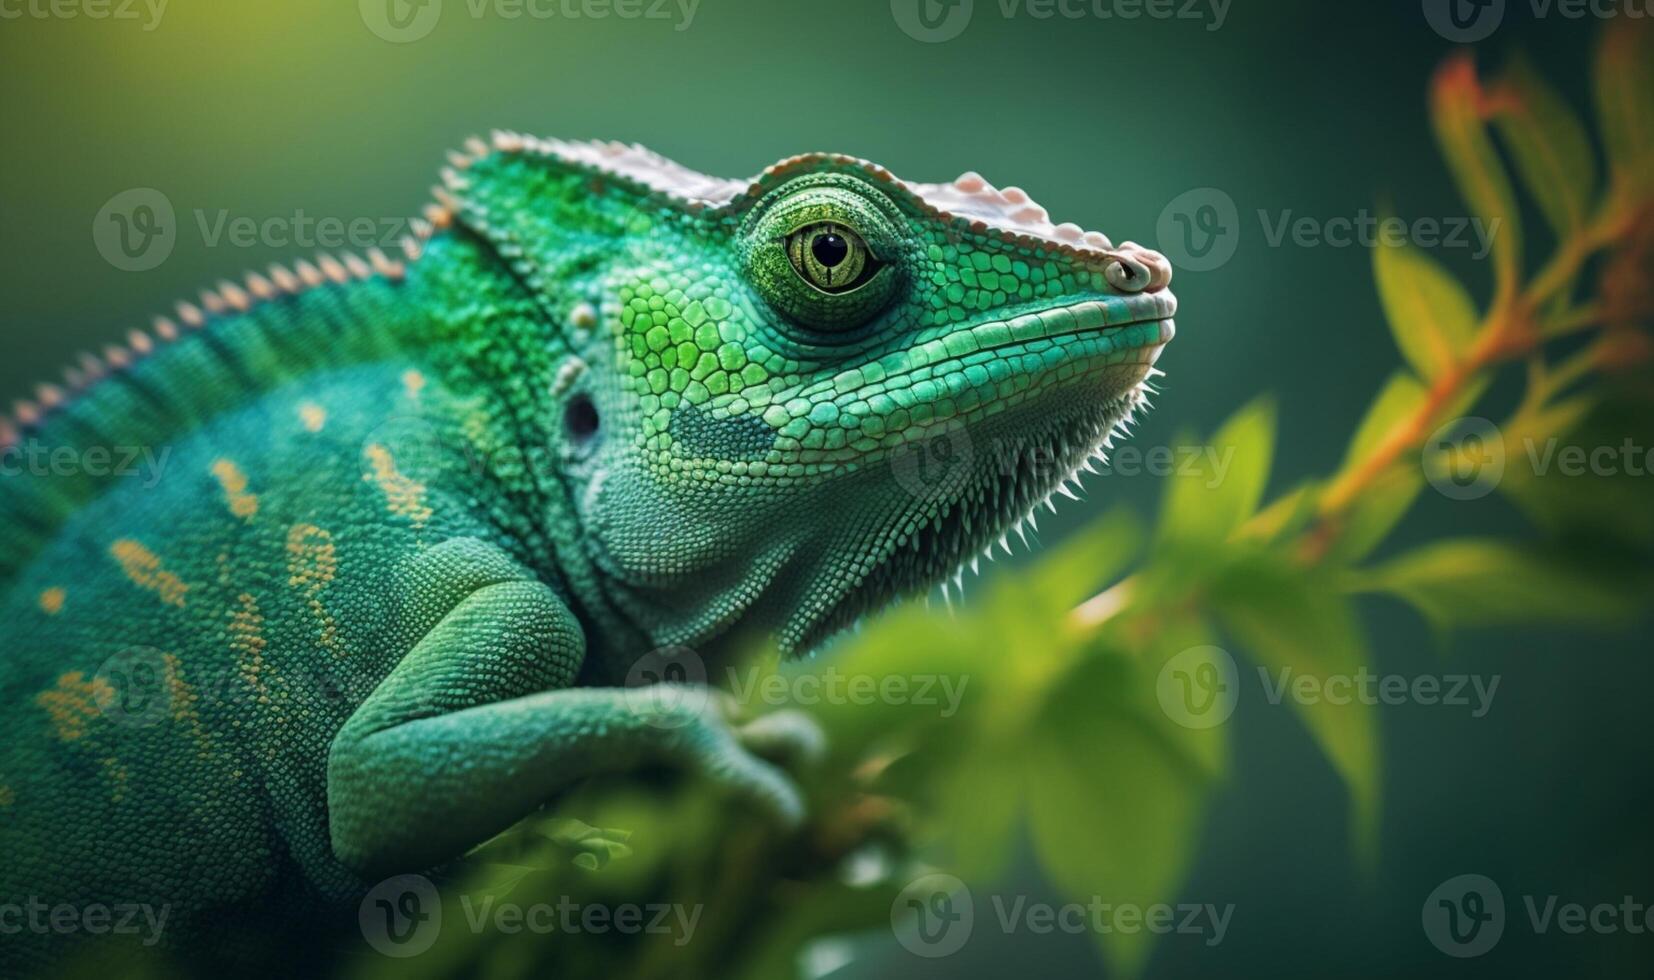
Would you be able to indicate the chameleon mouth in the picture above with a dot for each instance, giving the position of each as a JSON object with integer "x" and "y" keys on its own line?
{"x": 1106, "y": 314}
{"x": 1125, "y": 323}
{"x": 1008, "y": 476}
{"x": 994, "y": 368}
{"x": 1080, "y": 372}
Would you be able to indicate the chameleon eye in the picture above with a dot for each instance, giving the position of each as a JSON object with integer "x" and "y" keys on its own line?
{"x": 831, "y": 257}
{"x": 825, "y": 254}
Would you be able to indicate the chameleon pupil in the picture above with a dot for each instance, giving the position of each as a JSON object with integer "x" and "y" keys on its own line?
{"x": 829, "y": 249}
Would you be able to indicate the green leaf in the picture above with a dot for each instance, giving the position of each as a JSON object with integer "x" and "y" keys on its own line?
{"x": 1287, "y": 514}
{"x": 1479, "y": 582}
{"x": 1115, "y": 798}
{"x": 1550, "y": 145}
{"x": 1456, "y": 111}
{"x": 1625, "y": 100}
{"x": 1214, "y": 494}
{"x": 1430, "y": 313}
{"x": 1376, "y": 513}
{"x": 981, "y": 797}
{"x": 1290, "y": 619}
{"x": 1400, "y": 397}
{"x": 1084, "y": 561}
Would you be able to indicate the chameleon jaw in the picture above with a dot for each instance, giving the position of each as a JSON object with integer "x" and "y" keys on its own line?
{"x": 968, "y": 518}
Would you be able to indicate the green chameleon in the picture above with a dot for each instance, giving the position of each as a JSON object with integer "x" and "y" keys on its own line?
{"x": 411, "y": 523}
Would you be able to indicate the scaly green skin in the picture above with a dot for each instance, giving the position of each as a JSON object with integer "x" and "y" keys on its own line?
{"x": 378, "y": 603}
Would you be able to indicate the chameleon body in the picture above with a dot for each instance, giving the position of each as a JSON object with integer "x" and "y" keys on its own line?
{"x": 410, "y": 522}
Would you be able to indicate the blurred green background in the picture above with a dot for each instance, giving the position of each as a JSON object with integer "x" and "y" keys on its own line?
{"x": 261, "y": 108}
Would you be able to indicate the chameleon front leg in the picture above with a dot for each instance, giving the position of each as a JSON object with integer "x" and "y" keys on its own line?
{"x": 476, "y": 726}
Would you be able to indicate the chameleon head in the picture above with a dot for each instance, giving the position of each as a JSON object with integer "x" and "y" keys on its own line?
{"x": 802, "y": 396}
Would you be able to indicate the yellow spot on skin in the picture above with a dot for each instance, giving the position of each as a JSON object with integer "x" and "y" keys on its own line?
{"x": 312, "y": 416}
{"x": 242, "y": 504}
{"x": 7, "y": 797}
{"x": 312, "y": 564}
{"x": 71, "y": 706}
{"x": 118, "y": 776}
{"x": 73, "y": 703}
{"x": 145, "y": 571}
{"x": 182, "y": 698}
{"x": 247, "y": 640}
{"x": 51, "y": 600}
{"x": 413, "y": 383}
{"x": 404, "y": 496}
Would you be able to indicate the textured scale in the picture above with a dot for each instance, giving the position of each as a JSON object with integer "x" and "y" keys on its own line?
{"x": 407, "y": 522}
